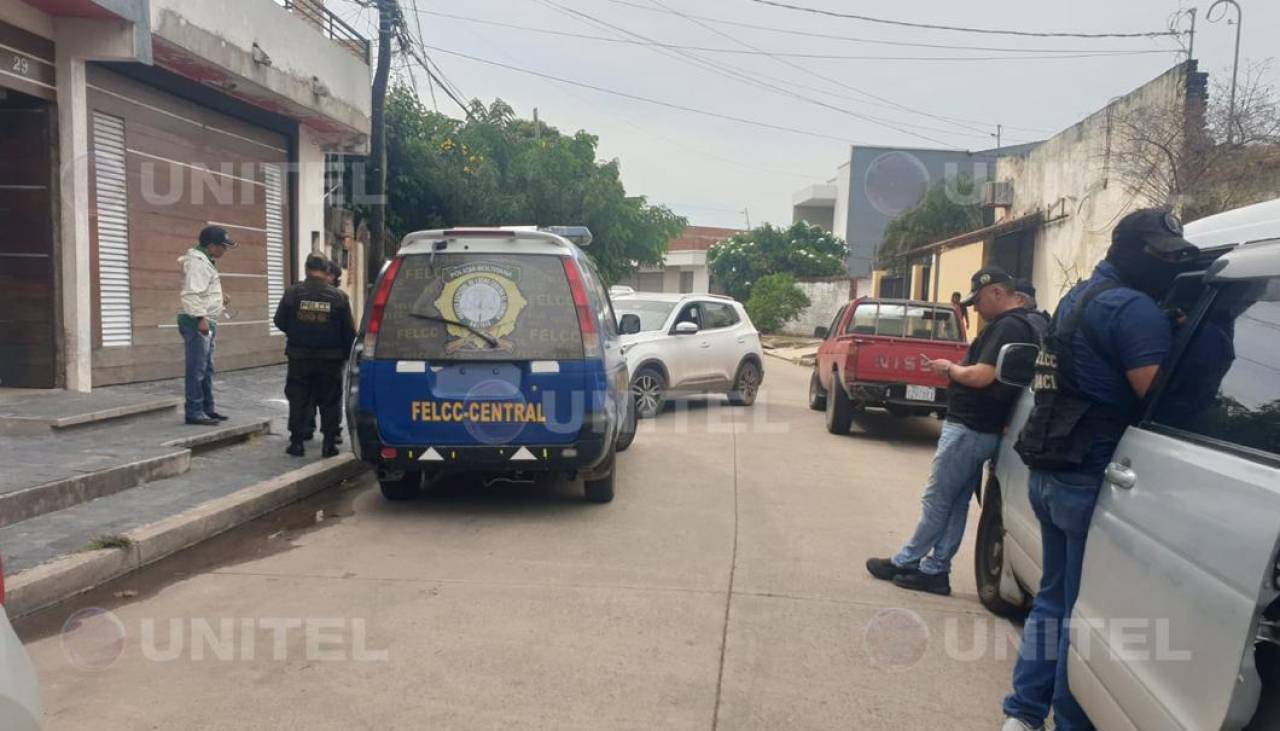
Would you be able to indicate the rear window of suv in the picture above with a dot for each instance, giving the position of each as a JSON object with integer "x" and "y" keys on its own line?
{"x": 520, "y": 304}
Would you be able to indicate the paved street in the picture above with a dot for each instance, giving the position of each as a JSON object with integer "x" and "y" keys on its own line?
{"x": 723, "y": 588}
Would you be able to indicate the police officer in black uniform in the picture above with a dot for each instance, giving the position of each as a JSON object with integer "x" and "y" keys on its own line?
{"x": 316, "y": 318}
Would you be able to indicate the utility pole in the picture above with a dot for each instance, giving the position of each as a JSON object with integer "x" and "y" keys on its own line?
{"x": 537, "y": 128}
{"x": 999, "y": 132}
{"x": 747, "y": 213}
{"x": 1191, "y": 43}
{"x": 1235, "y": 67}
{"x": 388, "y": 12}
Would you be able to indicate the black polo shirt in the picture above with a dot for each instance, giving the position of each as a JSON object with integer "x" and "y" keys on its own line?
{"x": 987, "y": 409}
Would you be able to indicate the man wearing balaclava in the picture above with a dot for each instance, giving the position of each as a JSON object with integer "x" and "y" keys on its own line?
{"x": 1101, "y": 355}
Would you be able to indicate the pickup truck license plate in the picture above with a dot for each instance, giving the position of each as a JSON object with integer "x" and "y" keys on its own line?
{"x": 920, "y": 393}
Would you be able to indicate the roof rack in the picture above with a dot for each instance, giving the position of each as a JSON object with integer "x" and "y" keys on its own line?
{"x": 550, "y": 234}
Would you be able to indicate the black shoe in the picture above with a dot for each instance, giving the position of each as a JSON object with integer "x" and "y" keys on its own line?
{"x": 216, "y": 415}
{"x": 202, "y": 421}
{"x": 885, "y": 569}
{"x": 308, "y": 437}
{"x": 919, "y": 581}
{"x": 295, "y": 449}
{"x": 329, "y": 449}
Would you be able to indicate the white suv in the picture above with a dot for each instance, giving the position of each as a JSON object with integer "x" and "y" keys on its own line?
{"x": 19, "y": 691}
{"x": 689, "y": 344}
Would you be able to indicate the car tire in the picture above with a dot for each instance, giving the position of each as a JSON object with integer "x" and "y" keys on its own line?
{"x": 746, "y": 385}
{"x": 839, "y": 407}
{"x": 648, "y": 392}
{"x": 817, "y": 397}
{"x": 627, "y": 435}
{"x": 988, "y": 560}
{"x": 601, "y": 490}
{"x": 404, "y": 488}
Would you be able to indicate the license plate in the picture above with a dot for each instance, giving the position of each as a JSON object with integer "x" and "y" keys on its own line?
{"x": 920, "y": 393}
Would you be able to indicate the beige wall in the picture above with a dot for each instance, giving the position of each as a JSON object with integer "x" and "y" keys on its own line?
{"x": 1069, "y": 179}
{"x": 955, "y": 266}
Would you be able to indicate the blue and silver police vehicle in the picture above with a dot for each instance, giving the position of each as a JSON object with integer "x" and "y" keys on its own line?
{"x": 492, "y": 352}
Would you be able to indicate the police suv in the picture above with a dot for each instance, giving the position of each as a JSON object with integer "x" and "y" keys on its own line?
{"x": 491, "y": 351}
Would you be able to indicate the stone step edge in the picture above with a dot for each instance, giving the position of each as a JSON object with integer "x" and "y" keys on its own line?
{"x": 64, "y": 577}
{"x": 48, "y": 497}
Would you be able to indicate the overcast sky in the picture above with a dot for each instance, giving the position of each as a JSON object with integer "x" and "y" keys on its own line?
{"x": 711, "y": 169}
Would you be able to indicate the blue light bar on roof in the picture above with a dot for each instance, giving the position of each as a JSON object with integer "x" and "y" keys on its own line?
{"x": 580, "y": 235}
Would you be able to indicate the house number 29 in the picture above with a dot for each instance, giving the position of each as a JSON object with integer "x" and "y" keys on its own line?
{"x": 21, "y": 65}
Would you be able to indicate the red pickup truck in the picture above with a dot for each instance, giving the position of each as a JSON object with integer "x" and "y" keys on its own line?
{"x": 873, "y": 355}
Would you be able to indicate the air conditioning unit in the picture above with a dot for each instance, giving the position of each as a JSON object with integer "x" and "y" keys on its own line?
{"x": 997, "y": 194}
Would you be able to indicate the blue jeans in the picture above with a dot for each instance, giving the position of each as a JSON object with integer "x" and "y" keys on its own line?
{"x": 1064, "y": 504}
{"x": 199, "y": 352}
{"x": 957, "y": 470}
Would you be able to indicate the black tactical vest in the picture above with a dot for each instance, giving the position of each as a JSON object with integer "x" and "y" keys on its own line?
{"x": 1063, "y": 423}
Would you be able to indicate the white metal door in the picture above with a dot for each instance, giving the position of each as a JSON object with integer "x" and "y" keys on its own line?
{"x": 1181, "y": 555}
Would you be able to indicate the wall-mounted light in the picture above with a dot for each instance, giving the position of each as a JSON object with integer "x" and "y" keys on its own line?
{"x": 318, "y": 87}
{"x": 260, "y": 56}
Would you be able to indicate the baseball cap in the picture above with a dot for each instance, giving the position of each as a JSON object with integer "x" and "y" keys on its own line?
{"x": 983, "y": 277}
{"x": 316, "y": 263}
{"x": 1157, "y": 230}
{"x": 215, "y": 235}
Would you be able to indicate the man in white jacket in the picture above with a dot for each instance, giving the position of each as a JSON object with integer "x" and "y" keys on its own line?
{"x": 202, "y": 303}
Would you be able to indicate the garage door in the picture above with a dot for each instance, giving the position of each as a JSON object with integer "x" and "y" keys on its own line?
{"x": 162, "y": 169}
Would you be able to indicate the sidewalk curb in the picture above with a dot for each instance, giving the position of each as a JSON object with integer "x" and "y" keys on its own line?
{"x": 802, "y": 360}
{"x": 66, "y": 576}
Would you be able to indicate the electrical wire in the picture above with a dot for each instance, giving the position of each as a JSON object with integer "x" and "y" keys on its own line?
{"x": 789, "y": 54}
{"x": 637, "y": 97}
{"x": 750, "y": 78}
{"x": 964, "y": 29}
{"x": 847, "y": 38}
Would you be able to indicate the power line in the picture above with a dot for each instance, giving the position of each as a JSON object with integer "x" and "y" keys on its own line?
{"x": 636, "y": 97}
{"x": 1036, "y": 55}
{"x": 963, "y": 29}
{"x": 748, "y": 77}
{"x": 852, "y": 39}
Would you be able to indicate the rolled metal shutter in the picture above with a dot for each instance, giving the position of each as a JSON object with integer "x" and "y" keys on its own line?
{"x": 111, "y": 190}
{"x": 275, "y": 239}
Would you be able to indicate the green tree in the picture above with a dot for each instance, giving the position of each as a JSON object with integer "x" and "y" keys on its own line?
{"x": 800, "y": 250}
{"x": 496, "y": 169}
{"x": 775, "y": 300}
{"x": 940, "y": 215}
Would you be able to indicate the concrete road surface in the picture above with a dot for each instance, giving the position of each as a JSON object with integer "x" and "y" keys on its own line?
{"x": 723, "y": 588}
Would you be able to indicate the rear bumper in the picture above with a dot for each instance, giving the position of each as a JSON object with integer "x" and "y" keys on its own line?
{"x": 871, "y": 393}
{"x": 583, "y": 454}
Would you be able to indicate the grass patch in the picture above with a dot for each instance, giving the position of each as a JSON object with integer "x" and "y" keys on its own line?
{"x": 103, "y": 542}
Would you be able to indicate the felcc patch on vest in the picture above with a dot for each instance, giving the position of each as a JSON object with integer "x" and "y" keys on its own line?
{"x": 313, "y": 311}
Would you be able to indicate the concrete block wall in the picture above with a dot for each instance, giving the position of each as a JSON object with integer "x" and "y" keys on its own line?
{"x": 825, "y": 297}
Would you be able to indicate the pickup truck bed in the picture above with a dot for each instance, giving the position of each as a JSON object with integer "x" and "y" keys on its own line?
{"x": 873, "y": 356}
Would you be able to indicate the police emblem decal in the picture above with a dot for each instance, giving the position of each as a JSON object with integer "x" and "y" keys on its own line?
{"x": 484, "y": 296}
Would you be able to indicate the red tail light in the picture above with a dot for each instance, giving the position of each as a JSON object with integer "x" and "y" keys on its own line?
{"x": 586, "y": 321}
{"x": 379, "y": 307}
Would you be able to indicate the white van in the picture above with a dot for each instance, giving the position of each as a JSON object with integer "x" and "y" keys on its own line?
{"x": 1178, "y": 621}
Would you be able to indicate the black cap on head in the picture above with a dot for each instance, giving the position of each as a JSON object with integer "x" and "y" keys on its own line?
{"x": 317, "y": 263}
{"x": 983, "y": 277}
{"x": 1155, "y": 231}
{"x": 215, "y": 236}
{"x": 334, "y": 269}
{"x": 1024, "y": 286}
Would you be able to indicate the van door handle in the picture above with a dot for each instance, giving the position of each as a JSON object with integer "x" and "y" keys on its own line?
{"x": 1121, "y": 475}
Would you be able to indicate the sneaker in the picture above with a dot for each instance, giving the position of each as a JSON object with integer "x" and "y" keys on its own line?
{"x": 919, "y": 581}
{"x": 295, "y": 449}
{"x": 329, "y": 449}
{"x": 885, "y": 569}
{"x": 202, "y": 421}
{"x": 1017, "y": 724}
{"x": 216, "y": 415}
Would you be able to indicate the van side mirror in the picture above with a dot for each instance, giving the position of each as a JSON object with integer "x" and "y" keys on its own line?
{"x": 820, "y": 332}
{"x": 686, "y": 328}
{"x": 1016, "y": 364}
{"x": 629, "y": 324}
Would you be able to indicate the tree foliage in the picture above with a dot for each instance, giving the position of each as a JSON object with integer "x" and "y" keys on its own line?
{"x": 946, "y": 210}
{"x": 495, "y": 169}
{"x": 800, "y": 250}
{"x": 775, "y": 300}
